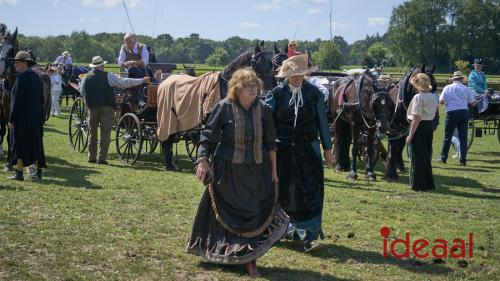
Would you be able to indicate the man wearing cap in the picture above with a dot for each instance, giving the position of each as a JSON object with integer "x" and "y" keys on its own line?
{"x": 292, "y": 48}
{"x": 64, "y": 59}
{"x": 26, "y": 119}
{"x": 456, "y": 97}
{"x": 97, "y": 89}
{"x": 134, "y": 57}
{"x": 479, "y": 85}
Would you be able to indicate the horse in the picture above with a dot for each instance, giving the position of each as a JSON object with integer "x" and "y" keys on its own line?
{"x": 358, "y": 104}
{"x": 189, "y": 70}
{"x": 8, "y": 49}
{"x": 256, "y": 58}
{"x": 279, "y": 56}
{"x": 401, "y": 95}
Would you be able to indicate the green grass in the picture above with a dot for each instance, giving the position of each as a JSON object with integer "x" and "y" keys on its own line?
{"x": 120, "y": 222}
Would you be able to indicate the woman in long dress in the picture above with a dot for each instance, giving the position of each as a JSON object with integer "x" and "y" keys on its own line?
{"x": 300, "y": 117}
{"x": 238, "y": 219}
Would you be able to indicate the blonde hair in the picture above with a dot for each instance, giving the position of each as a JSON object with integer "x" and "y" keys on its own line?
{"x": 239, "y": 80}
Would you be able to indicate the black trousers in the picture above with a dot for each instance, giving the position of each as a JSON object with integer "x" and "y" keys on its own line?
{"x": 421, "y": 177}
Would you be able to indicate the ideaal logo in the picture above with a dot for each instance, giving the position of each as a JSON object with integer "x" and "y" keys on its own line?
{"x": 422, "y": 248}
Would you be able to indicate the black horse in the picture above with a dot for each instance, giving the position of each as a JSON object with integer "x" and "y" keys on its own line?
{"x": 359, "y": 104}
{"x": 401, "y": 95}
{"x": 258, "y": 60}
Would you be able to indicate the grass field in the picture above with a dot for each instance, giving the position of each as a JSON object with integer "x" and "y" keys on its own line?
{"x": 119, "y": 222}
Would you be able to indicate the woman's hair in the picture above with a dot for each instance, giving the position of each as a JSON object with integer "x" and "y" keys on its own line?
{"x": 239, "y": 80}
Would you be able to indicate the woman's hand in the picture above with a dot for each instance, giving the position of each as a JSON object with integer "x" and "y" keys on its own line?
{"x": 328, "y": 157}
{"x": 275, "y": 177}
{"x": 203, "y": 170}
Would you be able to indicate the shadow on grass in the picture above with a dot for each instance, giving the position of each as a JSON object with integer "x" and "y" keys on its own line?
{"x": 154, "y": 162}
{"x": 355, "y": 185}
{"x": 48, "y": 129}
{"x": 63, "y": 173}
{"x": 275, "y": 273}
{"x": 351, "y": 256}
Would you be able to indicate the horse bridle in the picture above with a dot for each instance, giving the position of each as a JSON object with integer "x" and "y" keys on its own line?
{"x": 253, "y": 64}
{"x": 378, "y": 94}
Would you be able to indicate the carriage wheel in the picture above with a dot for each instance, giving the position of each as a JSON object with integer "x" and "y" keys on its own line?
{"x": 129, "y": 138}
{"x": 78, "y": 126}
{"x": 471, "y": 133}
{"x": 150, "y": 144}
{"x": 192, "y": 141}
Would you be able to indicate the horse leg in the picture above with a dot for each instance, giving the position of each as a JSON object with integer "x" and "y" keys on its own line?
{"x": 400, "y": 164}
{"x": 354, "y": 152}
{"x": 3, "y": 131}
{"x": 370, "y": 153}
{"x": 391, "y": 161}
{"x": 342, "y": 141}
{"x": 169, "y": 154}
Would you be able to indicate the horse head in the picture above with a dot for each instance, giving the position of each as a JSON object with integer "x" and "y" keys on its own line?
{"x": 189, "y": 70}
{"x": 279, "y": 57}
{"x": 263, "y": 66}
{"x": 8, "y": 49}
{"x": 380, "y": 102}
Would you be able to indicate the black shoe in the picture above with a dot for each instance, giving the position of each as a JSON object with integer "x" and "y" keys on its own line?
{"x": 441, "y": 160}
{"x": 463, "y": 164}
{"x": 102, "y": 162}
{"x": 18, "y": 176}
{"x": 93, "y": 161}
{"x": 37, "y": 175}
{"x": 170, "y": 166}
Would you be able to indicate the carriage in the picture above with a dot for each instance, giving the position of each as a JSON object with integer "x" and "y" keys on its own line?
{"x": 487, "y": 123}
{"x": 135, "y": 127}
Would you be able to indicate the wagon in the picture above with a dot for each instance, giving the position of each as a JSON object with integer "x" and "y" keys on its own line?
{"x": 135, "y": 128}
{"x": 485, "y": 124}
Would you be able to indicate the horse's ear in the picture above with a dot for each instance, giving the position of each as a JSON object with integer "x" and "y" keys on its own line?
{"x": 422, "y": 68}
{"x": 381, "y": 67}
{"x": 257, "y": 47}
{"x": 14, "y": 36}
{"x": 433, "y": 69}
{"x": 262, "y": 44}
{"x": 276, "y": 50}
{"x": 286, "y": 50}
{"x": 183, "y": 65}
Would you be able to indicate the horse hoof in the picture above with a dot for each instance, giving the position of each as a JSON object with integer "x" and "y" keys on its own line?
{"x": 352, "y": 176}
{"x": 391, "y": 178}
{"x": 401, "y": 170}
{"x": 371, "y": 177}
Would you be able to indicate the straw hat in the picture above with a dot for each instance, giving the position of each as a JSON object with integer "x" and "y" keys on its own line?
{"x": 65, "y": 53}
{"x": 293, "y": 42}
{"x": 457, "y": 75}
{"x": 54, "y": 68}
{"x": 23, "y": 56}
{"x": 384, "y": 78}
{"x": 421, "y": 82}
{"x": 127, "y": 36}
{"x": 295, "y": 66}
{"x": 97, "y": 61}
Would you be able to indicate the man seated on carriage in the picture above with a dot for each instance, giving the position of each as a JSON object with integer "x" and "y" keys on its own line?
{"x": 134, "y": 59}
{"x": 292, "y": 48}
{"x": 479, "y": 86}
{"x": 64, "y": 60}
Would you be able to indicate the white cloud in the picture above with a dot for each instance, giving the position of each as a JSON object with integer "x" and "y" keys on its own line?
{"x": 269, "y": 6}
{"x": 9, "y": 2}
{"x": 112, "y": 3}
{"x": 336, "y": 26}
{"x": 313, "y": 11}
{"x": 378, "y": 21}
{"x": 248, "y": 25}
{"x": 88, "y": 20}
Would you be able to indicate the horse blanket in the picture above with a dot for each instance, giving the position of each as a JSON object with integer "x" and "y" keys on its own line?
{"x": 184, "y": 102}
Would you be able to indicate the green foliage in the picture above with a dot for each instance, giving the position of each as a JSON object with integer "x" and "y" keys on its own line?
{"x": 220, "y": 57}
{"x": 463, "y": 66}
{"x": 328, "y": 56}
{"x": 377, "y": 54}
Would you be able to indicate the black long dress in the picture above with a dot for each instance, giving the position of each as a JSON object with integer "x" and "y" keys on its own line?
{"x": 300, "y": 164}
{"x": 421, "y": 178}
{"x": 26, "y": 113}
{"x": 238, "y": 219}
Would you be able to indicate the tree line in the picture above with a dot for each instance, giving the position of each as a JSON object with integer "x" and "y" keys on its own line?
{"x": 441, "y": 32}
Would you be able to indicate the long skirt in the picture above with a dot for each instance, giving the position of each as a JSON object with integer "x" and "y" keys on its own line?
{"x": 421, "y": 178}
{"x": 238, "y": 219}
{"x": 300, "y": 172}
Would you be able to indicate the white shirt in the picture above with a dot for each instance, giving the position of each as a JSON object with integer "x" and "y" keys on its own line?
{"x": 144, "y": 54}
{"x": 456, "y": 96}
{"x": 118, "y": 82}
{"x": 63, "y": 60}
{"x": 317, "y": 82}
{"x": 424, "y": 105}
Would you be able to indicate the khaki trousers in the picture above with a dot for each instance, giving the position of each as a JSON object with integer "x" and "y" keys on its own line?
{"x": 103, "y": 116}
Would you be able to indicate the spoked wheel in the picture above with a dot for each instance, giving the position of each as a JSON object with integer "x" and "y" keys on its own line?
{"x": 192, "y": 141}
{"x": 498, "y": 131}
{"x": 129, "y": 138}
{"x": 78, "y": 126}
{"x": 150, "y": 142}
{"x": 471, "y": 133}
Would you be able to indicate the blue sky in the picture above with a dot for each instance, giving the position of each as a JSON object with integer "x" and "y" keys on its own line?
{"x": 215, "y": 19}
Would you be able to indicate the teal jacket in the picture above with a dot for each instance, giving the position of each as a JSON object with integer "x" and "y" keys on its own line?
{"x": 477, "y": 82}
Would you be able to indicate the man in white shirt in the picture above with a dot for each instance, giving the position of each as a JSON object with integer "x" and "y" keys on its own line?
{"x": 64, "y": 59}
{"x": 456, "y": 97}
{"x": 134, "y": 57}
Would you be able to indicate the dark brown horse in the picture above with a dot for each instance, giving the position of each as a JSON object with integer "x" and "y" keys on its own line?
{"x": 8, "y": 49}
{"x": 401, "y": 95}
{"x": 358, "y": 104}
